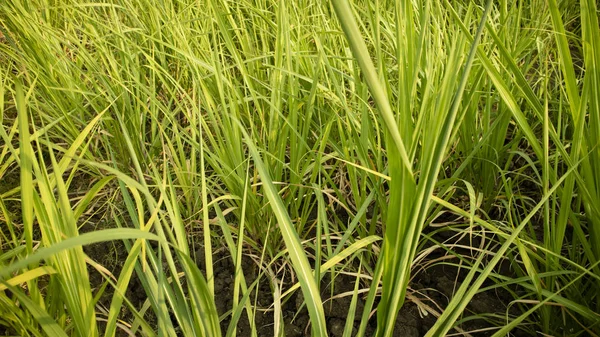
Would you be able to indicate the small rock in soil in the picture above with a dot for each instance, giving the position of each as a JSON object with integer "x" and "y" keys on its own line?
{"x": 408, "y": 315}
{"x": 338, "y": 308}
{"x": 299, "y": 300}
{"x": 336, "y": 327}
{"x": 406, "y": 331}
{"x": 292, "y": 330}
{"x": 445, "y": 286}
{"x": 483, "y": 303}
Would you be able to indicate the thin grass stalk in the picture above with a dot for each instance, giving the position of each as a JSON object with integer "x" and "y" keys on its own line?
{"x": 359, "y": 49}
{"x": 26, "y": 179}
{"x": 206, "y": 223}
{"x": 292, "y": 241}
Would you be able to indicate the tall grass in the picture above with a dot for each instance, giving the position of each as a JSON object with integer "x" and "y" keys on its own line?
{"x": 318, "y": 139}
{"x": 409, "y": 201}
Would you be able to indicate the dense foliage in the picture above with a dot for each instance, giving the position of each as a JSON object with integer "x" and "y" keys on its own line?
{"x": 319, "y": 138}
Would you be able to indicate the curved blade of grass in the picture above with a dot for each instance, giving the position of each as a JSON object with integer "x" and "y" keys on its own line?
{"x": 28, "y": 275}
{"x": 337, "y": 258}
{"x": 90, "y": 195}
{"x": 81, "y": 240}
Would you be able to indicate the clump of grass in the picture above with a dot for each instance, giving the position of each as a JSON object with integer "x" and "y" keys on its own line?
{"x": 320, "y": 138}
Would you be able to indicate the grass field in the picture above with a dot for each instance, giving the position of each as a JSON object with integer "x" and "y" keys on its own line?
{"x": 289, "y": 168}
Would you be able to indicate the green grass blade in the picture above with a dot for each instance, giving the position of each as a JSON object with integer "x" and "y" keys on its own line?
{"x": 292, "y": 241}
{"x": 359, "y": 49}
{"x": 26, "y": 163}
{"x": 83, "y": 239}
